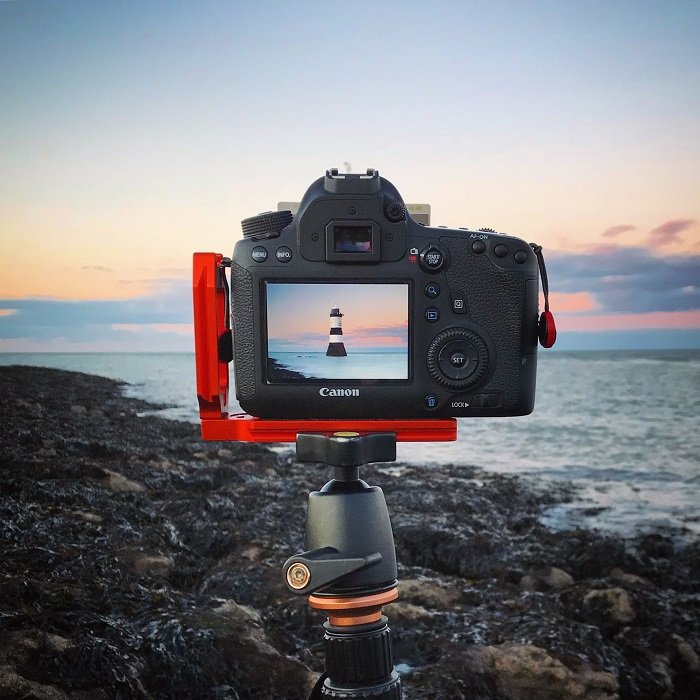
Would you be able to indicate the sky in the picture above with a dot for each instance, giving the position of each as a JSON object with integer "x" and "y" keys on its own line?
{"x": 135, "y": 133}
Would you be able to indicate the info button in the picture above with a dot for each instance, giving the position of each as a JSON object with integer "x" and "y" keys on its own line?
{"x": 283, "y": 254}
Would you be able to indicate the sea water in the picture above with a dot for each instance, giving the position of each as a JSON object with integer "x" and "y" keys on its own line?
{"x": 356, "y": 365}
{"x": 621, "y": 426}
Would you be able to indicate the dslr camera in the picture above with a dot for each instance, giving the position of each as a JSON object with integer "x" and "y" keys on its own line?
{"x": 350, "y": 308}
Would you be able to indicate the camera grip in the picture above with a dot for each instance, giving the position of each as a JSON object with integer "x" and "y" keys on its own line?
{"x": 243, "y": 331}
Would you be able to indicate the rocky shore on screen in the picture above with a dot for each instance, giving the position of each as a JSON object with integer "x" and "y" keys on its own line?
{"x": 138, "y": 562}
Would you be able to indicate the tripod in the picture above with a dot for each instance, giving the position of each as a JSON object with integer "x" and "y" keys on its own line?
{"x": 349, "y": 567}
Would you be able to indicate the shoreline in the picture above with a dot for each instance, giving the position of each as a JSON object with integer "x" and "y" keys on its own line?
{"x": 138, "y": 561}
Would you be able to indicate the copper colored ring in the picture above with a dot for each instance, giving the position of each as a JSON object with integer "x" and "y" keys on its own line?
{"x": 360, "y": 610}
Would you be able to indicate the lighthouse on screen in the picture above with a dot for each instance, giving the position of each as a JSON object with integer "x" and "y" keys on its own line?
{"x": 335, "y": 337}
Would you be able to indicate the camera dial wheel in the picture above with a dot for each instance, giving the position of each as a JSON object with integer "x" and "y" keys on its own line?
{"x": 266, "y": 225}
{"x": 457, "y": 358}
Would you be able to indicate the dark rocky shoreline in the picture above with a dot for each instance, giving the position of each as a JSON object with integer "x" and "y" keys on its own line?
{"x": 138, "y": 562}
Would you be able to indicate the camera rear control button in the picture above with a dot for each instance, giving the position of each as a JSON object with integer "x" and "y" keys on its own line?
{"x": 500, "y": 251}
{"x": 432, "y": 314}
{"x": 431, "y": 401}
{"x": 259, "y": 254}
{"x": 478, "y": 246}
{"x": 459, "y": 305}
{"x": 520, "y": 257}
{"x": 432, "y": 259}
{"x": 458, "y": 359}
{"x": 283, "y": 254}
{"x": 432, "y": 290}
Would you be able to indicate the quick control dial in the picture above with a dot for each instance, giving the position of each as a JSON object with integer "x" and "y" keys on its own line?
{"x": 457, "y": 358}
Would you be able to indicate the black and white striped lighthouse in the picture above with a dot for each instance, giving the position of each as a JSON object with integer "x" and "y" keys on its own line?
{"x": 336, "y": 348}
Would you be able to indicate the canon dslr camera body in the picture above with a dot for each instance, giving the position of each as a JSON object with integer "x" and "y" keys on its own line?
{"x": 352, "y": 309}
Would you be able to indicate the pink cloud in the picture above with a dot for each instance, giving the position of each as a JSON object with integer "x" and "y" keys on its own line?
{"x": 620, "y": 322}
{"x": 669, "y": 232}
{"x": 572, "y": 302}
{"x": 615, "y": 231}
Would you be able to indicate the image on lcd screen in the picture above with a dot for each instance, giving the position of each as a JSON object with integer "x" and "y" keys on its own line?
{"x": 336, "y": 331}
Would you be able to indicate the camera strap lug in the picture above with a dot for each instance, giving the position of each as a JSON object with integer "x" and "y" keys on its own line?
{"x": 546, "y": 327}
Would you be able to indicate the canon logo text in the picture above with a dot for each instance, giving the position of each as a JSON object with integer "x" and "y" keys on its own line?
{"x": 325, "y": 391}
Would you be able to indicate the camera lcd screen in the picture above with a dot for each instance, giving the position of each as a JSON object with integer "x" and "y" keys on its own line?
{"x": 349, "y": 331}
{"x": 352, "y": 239}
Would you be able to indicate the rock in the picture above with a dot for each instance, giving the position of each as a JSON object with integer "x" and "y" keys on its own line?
{"x": 545, "y": 580}
{"x": 687, "y": 654}
{"x": 404, "y": 614}
{"x": 15, "y": 687}
{"x": 264, "y": 670}
{"x": 153, "y": 565}
{"x": 629, "y": 579}
{"x": 87, "y": 516}
{"x": 80, "y": 410}
{"x": 614, "y": 604}
{"x": 118, "y": 482}
{"x": 428, "y": 592}
{"x": 526, "y": 672}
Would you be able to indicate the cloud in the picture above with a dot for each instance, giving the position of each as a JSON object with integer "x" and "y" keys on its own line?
{"x": 627, "y": 280}
{"x": 167, "y": 311}
{"x": 615, "y": 231}
{"x": 97, "y": 268}
{"x": 669, "y": 232}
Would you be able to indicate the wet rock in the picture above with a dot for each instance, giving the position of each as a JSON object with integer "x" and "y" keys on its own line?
{"x": 118, "y": 482}
{"x": 239, "y": 633}
{"x": 15, "y": 687}
{"x": 610, "y": 605}
{"x": 153, "y": 565}
{"x": 526, "y": 672}
{"x": 429, "y": 592}
{"x": 687, "y": 655}
{"x": 546, "y": 579}
{"x": 405, "y": 614}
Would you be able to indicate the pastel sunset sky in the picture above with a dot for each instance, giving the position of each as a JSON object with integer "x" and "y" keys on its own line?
{"x": 135, "y": 133}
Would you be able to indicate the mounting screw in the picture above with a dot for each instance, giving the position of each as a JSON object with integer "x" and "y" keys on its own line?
{"x": 298, "y": 576}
